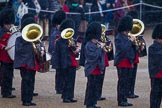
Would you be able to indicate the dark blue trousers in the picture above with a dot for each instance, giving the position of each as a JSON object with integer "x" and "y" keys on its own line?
{"x": 69, "y": 75}
{"x": 100, "y": 84}
{"x": 27, "y": 84}
{"x": 91, "y": 90}
{"x": 122, "y": 86}
{"x": 156, "y": 92}
{"x": 7, "y": 72}
{"x": 59, "y": 80}
{"x": 132, "y": 79}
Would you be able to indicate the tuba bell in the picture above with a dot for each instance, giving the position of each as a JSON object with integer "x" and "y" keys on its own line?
{"x": 68, "y": 34}
{"x": 32, "y": 32}
{"x": 137, "y": 29}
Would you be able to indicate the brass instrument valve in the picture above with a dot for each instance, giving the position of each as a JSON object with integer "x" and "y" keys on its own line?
{"x": 72, "y": 44}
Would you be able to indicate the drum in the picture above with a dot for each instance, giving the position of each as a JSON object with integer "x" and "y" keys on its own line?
{"x": 44, "y": 65}
{"x": 11, "y": 43}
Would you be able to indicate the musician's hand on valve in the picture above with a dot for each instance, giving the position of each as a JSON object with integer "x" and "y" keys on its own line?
{"x": 132, "y": 38}
{"x": 42, "y": 53}
{"x": 77, "y": 50}
{"x": 142, "y": 48}
{"x": 102, "y": 45}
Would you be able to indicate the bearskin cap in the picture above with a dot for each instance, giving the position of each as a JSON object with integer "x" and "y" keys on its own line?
{"x": 157, "y": 32}
{"x": 93, "y": 31}
{"x": 28, "y": 15}
{"x": 67, "y": 23}
{"x": 27, "y": 21}
{"x": 125, "y": 24}
{"x": 7, "y": 16}
{"x": 58, "y": 17}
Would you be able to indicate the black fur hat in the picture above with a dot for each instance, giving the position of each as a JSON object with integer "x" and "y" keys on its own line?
{"x": 157, "y": 32}
{"x": 133, "y": 14}
{"x": 94, "y": 31}
{"x": 58, "y": 17}
{"x": 26, "y": 22}
{"x": 67, "y": 23}
{"x": 7, "y": 16}
{"x": 28, "y": 15}
{"x": 125, "y": 24}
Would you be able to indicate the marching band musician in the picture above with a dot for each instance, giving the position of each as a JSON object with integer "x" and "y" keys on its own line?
{"x": 140, "y": 51}
{"x": 58, "y": 17}
{"x": 155, "y": 67}
{"x": 25, "y": 60}
{"x": 124, "y": 59}
{"x": 101, "y": 76}
{"x": 29, "y": 15}
{"x": 64, "y": 59}
{"x": 6, "y": 21}
{"x": 94, "y": 63}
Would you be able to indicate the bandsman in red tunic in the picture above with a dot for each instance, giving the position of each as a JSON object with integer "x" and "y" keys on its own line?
{"x": 155, "y": 67}
{"x": 26, "y": 61}
{"x": 93, "y": 62}
{"x": 57, "y": 19}
{"x": 124, "y": 59}
{"x": 6, "y": 22}
{"x": 64, "y": 59}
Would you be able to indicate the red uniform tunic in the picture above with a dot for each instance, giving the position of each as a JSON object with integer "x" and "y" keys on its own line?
{"x": 125, "y": 63}
{"x": 97, "y": 71}
{"x": 73, "y": 59}
{"x": 34, "y": 68}
{"x": 136, "y": 58}
{"x": 159, "y": 75}
{"x": 4, "y": 57}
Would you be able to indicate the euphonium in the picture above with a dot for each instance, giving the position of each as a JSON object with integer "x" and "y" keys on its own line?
{"x": 137, "y": 29}
{"x": 32, "y": 33}
{"x": 68, "y": 34}
{"x": 104, "y": 39}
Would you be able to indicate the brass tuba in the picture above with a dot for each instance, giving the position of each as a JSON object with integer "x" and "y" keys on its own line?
{"x": 32, "y": 32}
{"x": 68, "y": 34}
{"x": 137, "y": 29}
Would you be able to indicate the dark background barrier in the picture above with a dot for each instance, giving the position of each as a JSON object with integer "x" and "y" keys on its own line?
{"x": 150, "y": 15}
